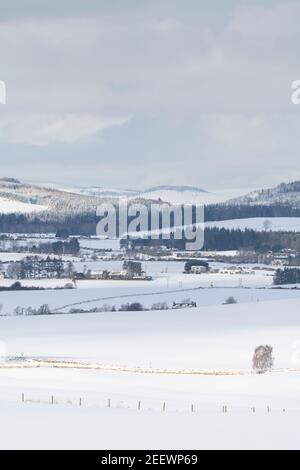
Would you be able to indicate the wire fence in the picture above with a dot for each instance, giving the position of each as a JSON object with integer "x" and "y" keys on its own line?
{"x": 146, "y": 405}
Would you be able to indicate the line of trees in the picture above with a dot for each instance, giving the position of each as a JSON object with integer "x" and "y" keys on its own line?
{"x": 216, "y": 212}
{"x": 226, "y": 239}
{"x": 222, "y": 239}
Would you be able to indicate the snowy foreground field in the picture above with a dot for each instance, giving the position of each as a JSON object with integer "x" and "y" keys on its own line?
{"x": 152, "y": 379}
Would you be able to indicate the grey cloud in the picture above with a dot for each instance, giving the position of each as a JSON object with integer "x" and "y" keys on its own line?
{"x": 217, "y": 89}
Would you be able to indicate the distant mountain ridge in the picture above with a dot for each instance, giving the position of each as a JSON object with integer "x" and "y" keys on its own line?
{"x": 19, "y": 197}
{"x": 167, "y": 193}
{"x": 101, "y": 191}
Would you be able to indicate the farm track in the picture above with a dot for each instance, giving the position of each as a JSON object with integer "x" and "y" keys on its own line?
{"x": 123, "y": 296}
{"x": 146, "y": 294}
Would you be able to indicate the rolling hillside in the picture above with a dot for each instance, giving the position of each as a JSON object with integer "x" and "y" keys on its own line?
{"x": 284, "y": 193}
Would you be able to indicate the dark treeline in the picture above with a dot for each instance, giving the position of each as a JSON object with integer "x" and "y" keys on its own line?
{"x": 225, "y": 239}
{"x": 85, "y": 223}
{"x": 196, "y": 262}
{"x": 216, "y": 212}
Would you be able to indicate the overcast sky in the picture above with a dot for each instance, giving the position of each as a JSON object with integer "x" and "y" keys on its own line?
{"x": 133, "y": 93}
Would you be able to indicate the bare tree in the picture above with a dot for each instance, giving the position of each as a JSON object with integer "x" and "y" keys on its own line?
{"x": 70, "y": 270}
{"x": 262, "y": 359}
{"x": 267, "y": 225}
{"x": 44, "y": 310}
{"x": 14, "y": 270}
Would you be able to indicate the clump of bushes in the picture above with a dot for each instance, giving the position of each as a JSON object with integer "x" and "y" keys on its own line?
{"x": 133, "y": 307}
{"x": 230, "y": 300}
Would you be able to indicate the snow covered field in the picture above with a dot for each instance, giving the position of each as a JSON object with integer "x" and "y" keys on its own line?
{"x": 169, "y": 284}
{"x": 212, "y": 337}
{"x": 189, "y": 195}
{"x": 116, "y": 293}
{"x": 163, "y": 375}
{"x": 65, "y": 427}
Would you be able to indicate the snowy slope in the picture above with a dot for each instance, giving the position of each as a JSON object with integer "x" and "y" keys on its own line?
{"x": 284, "y": 193}
{"x": 167, "y": 193}
{"x": 217, "y": 338}
{"x": 17, "y": 196}
{"x": 97, "y": 191}
{"x": 8, "y": 206}
{"x": 189, "y": 195}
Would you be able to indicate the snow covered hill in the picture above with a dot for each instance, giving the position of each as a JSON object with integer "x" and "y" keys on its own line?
{"x": 183, "y": 195}
{"x": 18, "y": 197}
{"x": 174, "y": 194}
{"x": 71, "y": 199}
{"x": 96, "y": 191}
{"x": 284, "y": 193}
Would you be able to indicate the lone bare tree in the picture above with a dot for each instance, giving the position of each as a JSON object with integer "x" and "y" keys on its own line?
{"x": 267, "y": 225}
{"x": 262, "y": 359}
